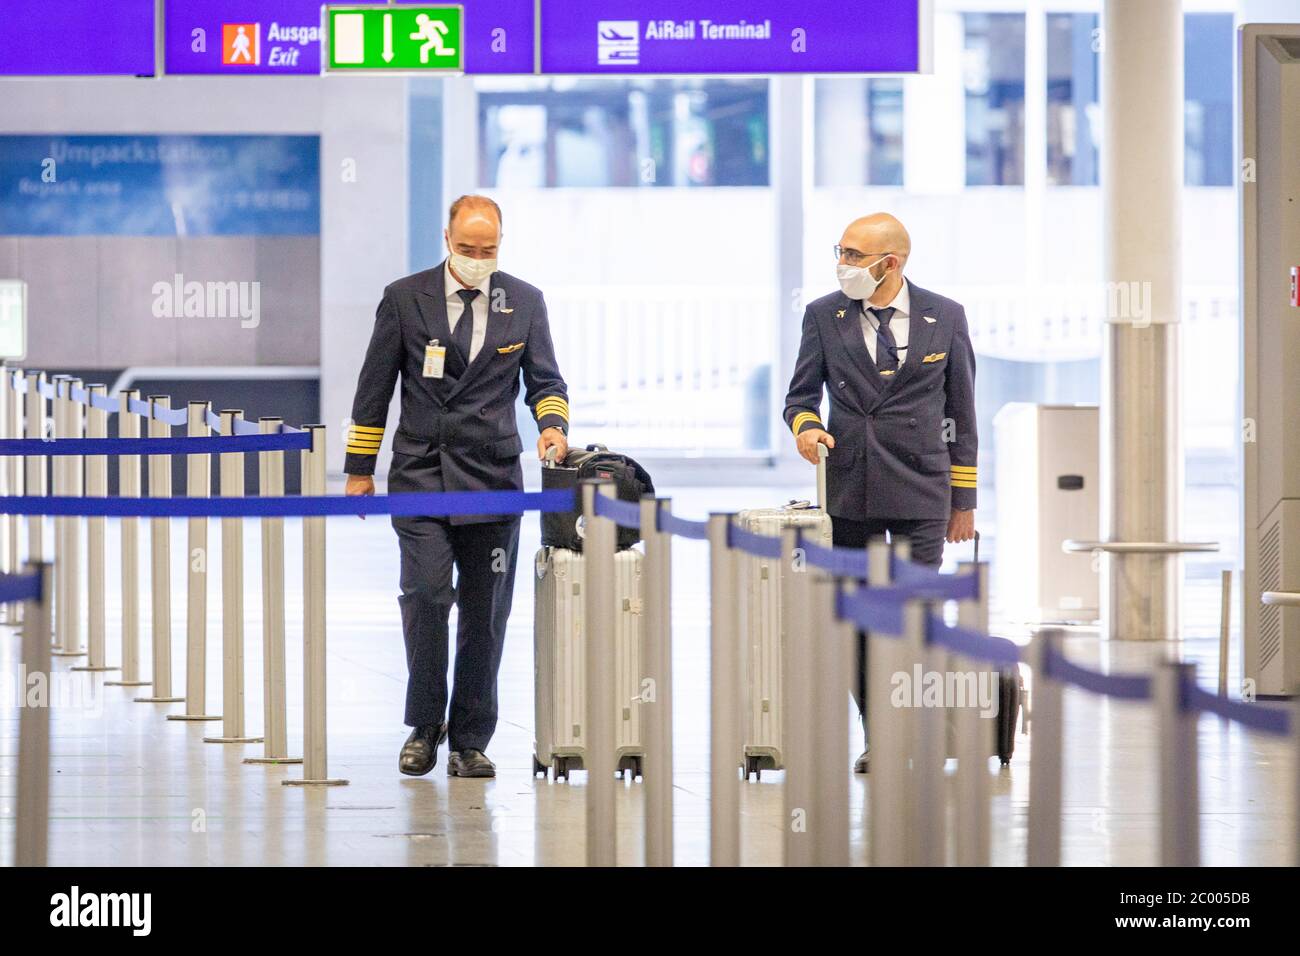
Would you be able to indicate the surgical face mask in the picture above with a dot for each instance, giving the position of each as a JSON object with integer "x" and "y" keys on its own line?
{"x": 472, "y": 271}
{"x": 857, "y": 281}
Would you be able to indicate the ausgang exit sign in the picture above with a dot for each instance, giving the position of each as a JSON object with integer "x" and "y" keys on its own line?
{"x": 394, "y": 38}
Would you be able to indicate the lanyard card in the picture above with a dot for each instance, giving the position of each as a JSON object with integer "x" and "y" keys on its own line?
{"x": 435, "y": 357}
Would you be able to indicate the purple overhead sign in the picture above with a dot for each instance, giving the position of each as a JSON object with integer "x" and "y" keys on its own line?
{"x": 729, "y": 36}
{"x": 76, "y": 38}
{"x": 278, "y": 37}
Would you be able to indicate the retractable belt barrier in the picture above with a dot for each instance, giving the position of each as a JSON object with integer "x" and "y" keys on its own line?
{"x": 830, "y": 593}
{"x": 898, "y": 603}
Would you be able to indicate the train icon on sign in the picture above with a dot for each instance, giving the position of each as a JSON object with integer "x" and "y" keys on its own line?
{"x": 241, "y": 44}
{"x": 617, "y": 43}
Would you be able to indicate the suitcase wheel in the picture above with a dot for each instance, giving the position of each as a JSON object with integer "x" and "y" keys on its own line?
{"x": 752, "y": 766}
{"x": 561, "y": 768}
{"x": 539, "y": 767}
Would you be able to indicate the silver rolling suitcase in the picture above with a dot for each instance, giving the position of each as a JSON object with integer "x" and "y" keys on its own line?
{"x": 559, "y": 661}
{"x": 760, "y": 584}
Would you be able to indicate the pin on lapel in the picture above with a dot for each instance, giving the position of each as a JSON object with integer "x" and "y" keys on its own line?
{"x": 839, "y": 314}
{"x": 931, "y": 319}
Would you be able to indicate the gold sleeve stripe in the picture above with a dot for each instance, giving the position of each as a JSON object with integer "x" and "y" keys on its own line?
{"x": 366, "y": 429}
{"x": 963, "y": 469}
{"x": 552, "y": 405}
{"x": 802, "y": 419}
{"x": 964, "y": 484}
{"x": 362, "y": 449}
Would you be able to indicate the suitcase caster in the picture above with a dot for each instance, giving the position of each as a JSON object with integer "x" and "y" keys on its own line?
{"x": 629, "y": 768}
{"x": 561, "y": 768}
{"x": 539, "y": 767}
{"x": 752, "y": 766}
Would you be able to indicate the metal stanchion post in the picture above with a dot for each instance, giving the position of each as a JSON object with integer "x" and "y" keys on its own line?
{"x": 657, "y": 663}
{"x": 31, "y": 823}
{"x": 35, "y": 465}
{"x": 797, "y": 688}
{"x": 270, "y": 484}
{"x": 599, "y": 622}
{"x": 13, "y": 471}
{"x": 888, "y": 778}
{"x": 833, "y": 653}
{"x": 1180, "y": 805}
{"x": 160, "y": 560}
{"x": 128, "y": 486}
{"x": 8, "y": 548}
{"x": 232, "y": 596}
{"x": 1225, "y": 628}
{"x": 96, "y": 573}
{"x": 314, "y": 748}
{"x": 725, "y": 738}
{"x": 971, "y": 819}
{"x": 67, "y": 620}
{"x": 1044, "y": 841}
{"x": 929, "y": 742}
{"x": 198, "y": 484}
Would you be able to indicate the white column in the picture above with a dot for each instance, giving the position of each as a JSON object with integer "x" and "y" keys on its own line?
{"x": 1141, "y": 185}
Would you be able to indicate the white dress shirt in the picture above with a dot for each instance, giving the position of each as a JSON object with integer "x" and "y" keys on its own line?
{"x": 456, "y": 305}
{"x": 898, "y": 324}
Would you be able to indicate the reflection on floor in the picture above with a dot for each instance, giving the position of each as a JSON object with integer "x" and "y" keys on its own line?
{"x": 131, "y": 788}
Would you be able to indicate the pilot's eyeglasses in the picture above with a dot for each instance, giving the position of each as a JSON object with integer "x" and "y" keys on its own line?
{"x": 853, "y": 257}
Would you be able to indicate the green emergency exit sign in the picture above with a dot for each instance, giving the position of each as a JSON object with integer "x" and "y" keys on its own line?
{"x": 394, "y": 39}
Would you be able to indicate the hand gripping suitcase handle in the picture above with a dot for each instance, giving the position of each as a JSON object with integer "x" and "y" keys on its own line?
{"x": 822, "y": 452}
{"x": 551, "y": 452}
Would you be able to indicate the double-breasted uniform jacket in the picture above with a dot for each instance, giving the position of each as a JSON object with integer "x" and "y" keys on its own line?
{"x": 906, "y": 442}
{"x": 455, "y": 433}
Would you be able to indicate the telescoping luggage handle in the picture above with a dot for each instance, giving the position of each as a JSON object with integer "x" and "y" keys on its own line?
{"x": 822, "y": 452}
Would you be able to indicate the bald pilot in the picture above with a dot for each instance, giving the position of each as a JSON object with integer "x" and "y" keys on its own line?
{"x": 897, "y": 362}
{"x": 460, "y": 336}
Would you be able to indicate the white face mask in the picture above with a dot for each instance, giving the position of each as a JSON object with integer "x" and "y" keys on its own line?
{"x": 857, "y": 281}
{"x": 472, "y": 271}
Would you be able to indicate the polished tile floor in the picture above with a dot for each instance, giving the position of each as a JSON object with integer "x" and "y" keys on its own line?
{"x": 130, "y": 788}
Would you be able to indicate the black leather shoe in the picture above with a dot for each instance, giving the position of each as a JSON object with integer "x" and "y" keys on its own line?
{"x": 420, "y": 752}
{"x": 470, "y": 763}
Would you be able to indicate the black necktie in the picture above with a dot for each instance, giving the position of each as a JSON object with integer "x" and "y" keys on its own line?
{"x": 462, "y": 336}
{"x": 886, "y": 350}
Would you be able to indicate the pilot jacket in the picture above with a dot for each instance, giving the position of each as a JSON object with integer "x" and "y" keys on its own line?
{"x": 455, "y": 433}
{"x": 905, "y": 443}
{"x": 468, "y": 422}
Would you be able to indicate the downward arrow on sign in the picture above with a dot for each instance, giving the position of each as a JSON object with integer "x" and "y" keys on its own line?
{"x": 388, "y": 38}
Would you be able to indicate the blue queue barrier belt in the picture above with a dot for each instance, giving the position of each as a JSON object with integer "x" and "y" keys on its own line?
{"x": 758, "y": 545}
{"x": 1271, "y": 720}
{"x": 154, "y": 446}
{"x": 426, "y": 504}
{"x": 1120, "y": 686}
{"x": 974, "y": 644}
{"x": 841, "y": 562}
{"x": 19, "y": 587}
{"x": 625, "y": 514}
{"x": 878, "y": 610}
{"x": 671, "y": 524}
{"x": 931, "y": 584}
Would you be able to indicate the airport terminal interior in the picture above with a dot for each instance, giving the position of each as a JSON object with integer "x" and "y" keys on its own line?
{"x": 1087, "y": 211}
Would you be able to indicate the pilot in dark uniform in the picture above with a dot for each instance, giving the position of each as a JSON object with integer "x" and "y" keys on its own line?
{"x": 459, "y": 335}
{"x": 899, "y": 367}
